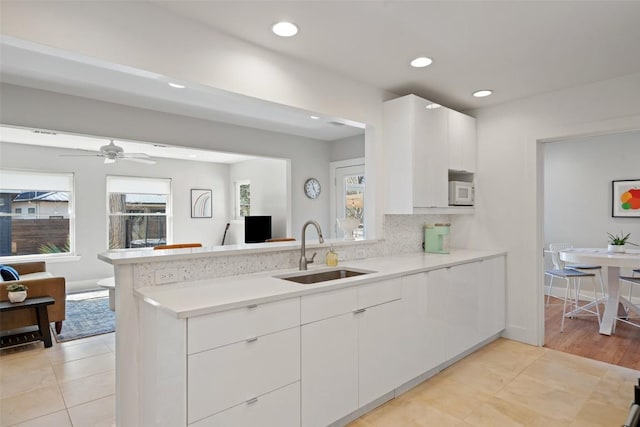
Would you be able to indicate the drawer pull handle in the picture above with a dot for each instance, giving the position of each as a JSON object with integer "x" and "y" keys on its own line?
{"x": 250, "y": 306}
{"x": 252, "y": 400}
{"x": 360, "y": 310}
{"x": 252, "y": 339}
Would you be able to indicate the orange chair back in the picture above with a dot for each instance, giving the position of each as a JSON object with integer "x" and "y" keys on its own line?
{"x": 178, "y": 246}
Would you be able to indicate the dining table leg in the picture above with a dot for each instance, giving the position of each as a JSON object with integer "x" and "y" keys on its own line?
{"x": 608, "y": 323}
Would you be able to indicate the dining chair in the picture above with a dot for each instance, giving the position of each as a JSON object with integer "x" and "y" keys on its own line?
{"x": 572, "y": 293}
{"x": 632, "y": 282}
{"x": 554, "y": 249}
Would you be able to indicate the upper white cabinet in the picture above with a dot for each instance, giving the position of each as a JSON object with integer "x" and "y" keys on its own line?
{"x": 421, "y": 145}
{"x": 462, "y": 141}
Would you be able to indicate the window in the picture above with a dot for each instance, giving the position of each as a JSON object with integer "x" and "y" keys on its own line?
{"x": 138, "y": 211}
{"x": 243, "y": 199}
{"x": 42, "y": 222}
{"x": 349, "y": 200}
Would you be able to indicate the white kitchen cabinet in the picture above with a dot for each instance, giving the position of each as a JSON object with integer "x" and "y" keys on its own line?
{"x": 237, "y": 356}
{"x": 415, "y": 337}
{"x": 420, "y": 146}
{"x": 226, "y": 327}
{"x": 315, "y": 359}
{"x": 461, "y": 141}
{"x": 279, "y": 408}
{"x": 350, "y": 349}
{"x": 491, "y": 316}
{"x": 227, "y": 376}
{"x": 466, "y": 302}
{"x": 329, "y": 384}
{"x": 378, "y": 351}
{"x": 463, "y": 285}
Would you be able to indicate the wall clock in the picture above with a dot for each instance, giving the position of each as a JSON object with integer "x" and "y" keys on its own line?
{"x": 312, "y": 188}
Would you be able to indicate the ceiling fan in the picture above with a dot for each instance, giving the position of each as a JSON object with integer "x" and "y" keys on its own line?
{"x": 112, "y": 152}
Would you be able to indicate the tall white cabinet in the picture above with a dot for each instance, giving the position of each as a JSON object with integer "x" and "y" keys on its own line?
{"x": 422, "y": 146}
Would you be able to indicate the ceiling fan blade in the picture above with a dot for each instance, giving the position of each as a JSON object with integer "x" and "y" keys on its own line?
{"x": 136, "y": 159}
{"x": 80, "y": 155}
{"x": 136, "y": 155}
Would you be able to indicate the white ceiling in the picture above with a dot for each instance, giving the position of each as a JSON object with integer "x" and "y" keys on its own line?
{"x": 517, "y": 48}
{"x": 89, "y": 144}
{"x": 28, "y": 64}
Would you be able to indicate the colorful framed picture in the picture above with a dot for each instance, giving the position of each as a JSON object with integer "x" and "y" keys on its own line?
{"x": 626, "y": 198}
{"x": 200, "y": 203}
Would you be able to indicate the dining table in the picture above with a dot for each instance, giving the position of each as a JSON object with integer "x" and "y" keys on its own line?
{"x": 613, "y": 262}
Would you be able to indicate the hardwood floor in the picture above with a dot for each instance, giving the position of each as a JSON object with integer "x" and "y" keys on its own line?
{"x": 581, "y": 337}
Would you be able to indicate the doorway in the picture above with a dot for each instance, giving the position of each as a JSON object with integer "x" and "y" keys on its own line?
{"x": 577, "y": 184}
{"x": 347, "y": 200}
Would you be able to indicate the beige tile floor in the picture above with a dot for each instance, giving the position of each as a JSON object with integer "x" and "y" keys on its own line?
{"x": 71, "y": 384}
{"x": 504, "y": 384}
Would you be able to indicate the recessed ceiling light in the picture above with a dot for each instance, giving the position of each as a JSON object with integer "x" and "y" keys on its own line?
{"x": 421, "y": 61}
{"x": 314, "y": 117}
{"x": 192, "y": 156}
{"x": 285, "y": 29}
{"x": 482, "y": 93}
{"x": 176, "y": 85}
{"x": 432, "y": 106}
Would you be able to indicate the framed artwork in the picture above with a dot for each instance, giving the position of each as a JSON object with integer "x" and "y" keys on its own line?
{"x": 626, "y": 198}
{"x": 200, "y": 203}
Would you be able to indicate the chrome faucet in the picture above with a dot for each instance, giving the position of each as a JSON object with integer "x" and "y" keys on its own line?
{"x": 303, "y": 252}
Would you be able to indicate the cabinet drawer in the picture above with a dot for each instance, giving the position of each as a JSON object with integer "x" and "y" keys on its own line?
{"x": 279, "y": 408}
{"x": 328, "y": 304}
{"x": 226, "y": 376}
{"x": 218, "y": 329}
{"x": 379, "y": 293}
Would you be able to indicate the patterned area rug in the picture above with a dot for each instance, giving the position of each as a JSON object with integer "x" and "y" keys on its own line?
{"x": 86, "y": 315}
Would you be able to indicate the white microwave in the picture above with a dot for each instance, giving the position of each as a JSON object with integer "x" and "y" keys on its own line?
{"x": 460, "y": 193}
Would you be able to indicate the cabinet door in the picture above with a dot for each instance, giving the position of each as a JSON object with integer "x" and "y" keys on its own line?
{"x": 227, "y": 376}
{"x": 437, "y": 326}
{"x": 226, "y": 327}
{"x": 414, "y": 331}
{"x": 430, "y": 177}
{"x": 279, "y": 408}
{"x": 329, "y": 370}
{"x": 461, "y": 141}
{"x": 491, "y": 314}
{"x": 462, "y": 308}
{"x": 378, "y": 351}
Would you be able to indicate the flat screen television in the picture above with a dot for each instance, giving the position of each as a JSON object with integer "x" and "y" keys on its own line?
{"x": 257, "y": 228}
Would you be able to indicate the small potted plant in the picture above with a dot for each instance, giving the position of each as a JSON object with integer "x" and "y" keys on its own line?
{"x": 17, "y": 292}
{"x": 617, "y": 242}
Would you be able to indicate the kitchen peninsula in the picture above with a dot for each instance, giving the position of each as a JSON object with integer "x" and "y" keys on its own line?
{"x": 213, "y": 350}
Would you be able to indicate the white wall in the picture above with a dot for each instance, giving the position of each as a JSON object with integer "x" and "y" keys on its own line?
{"x": 509, "y": 182}
{"x": 577, "y": 188}
{"x": 347, "y": 148}
{"x": 42, "y": 109}
{"x": 268, "y": 178}
{"x": 91, "y": 205}
{"x": 186, "y": 50}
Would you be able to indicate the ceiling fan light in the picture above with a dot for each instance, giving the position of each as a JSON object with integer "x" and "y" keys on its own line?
{"x": 108, "y": 161}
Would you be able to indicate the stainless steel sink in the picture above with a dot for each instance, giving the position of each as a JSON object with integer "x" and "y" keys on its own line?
{"x": 323, "y": 275}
